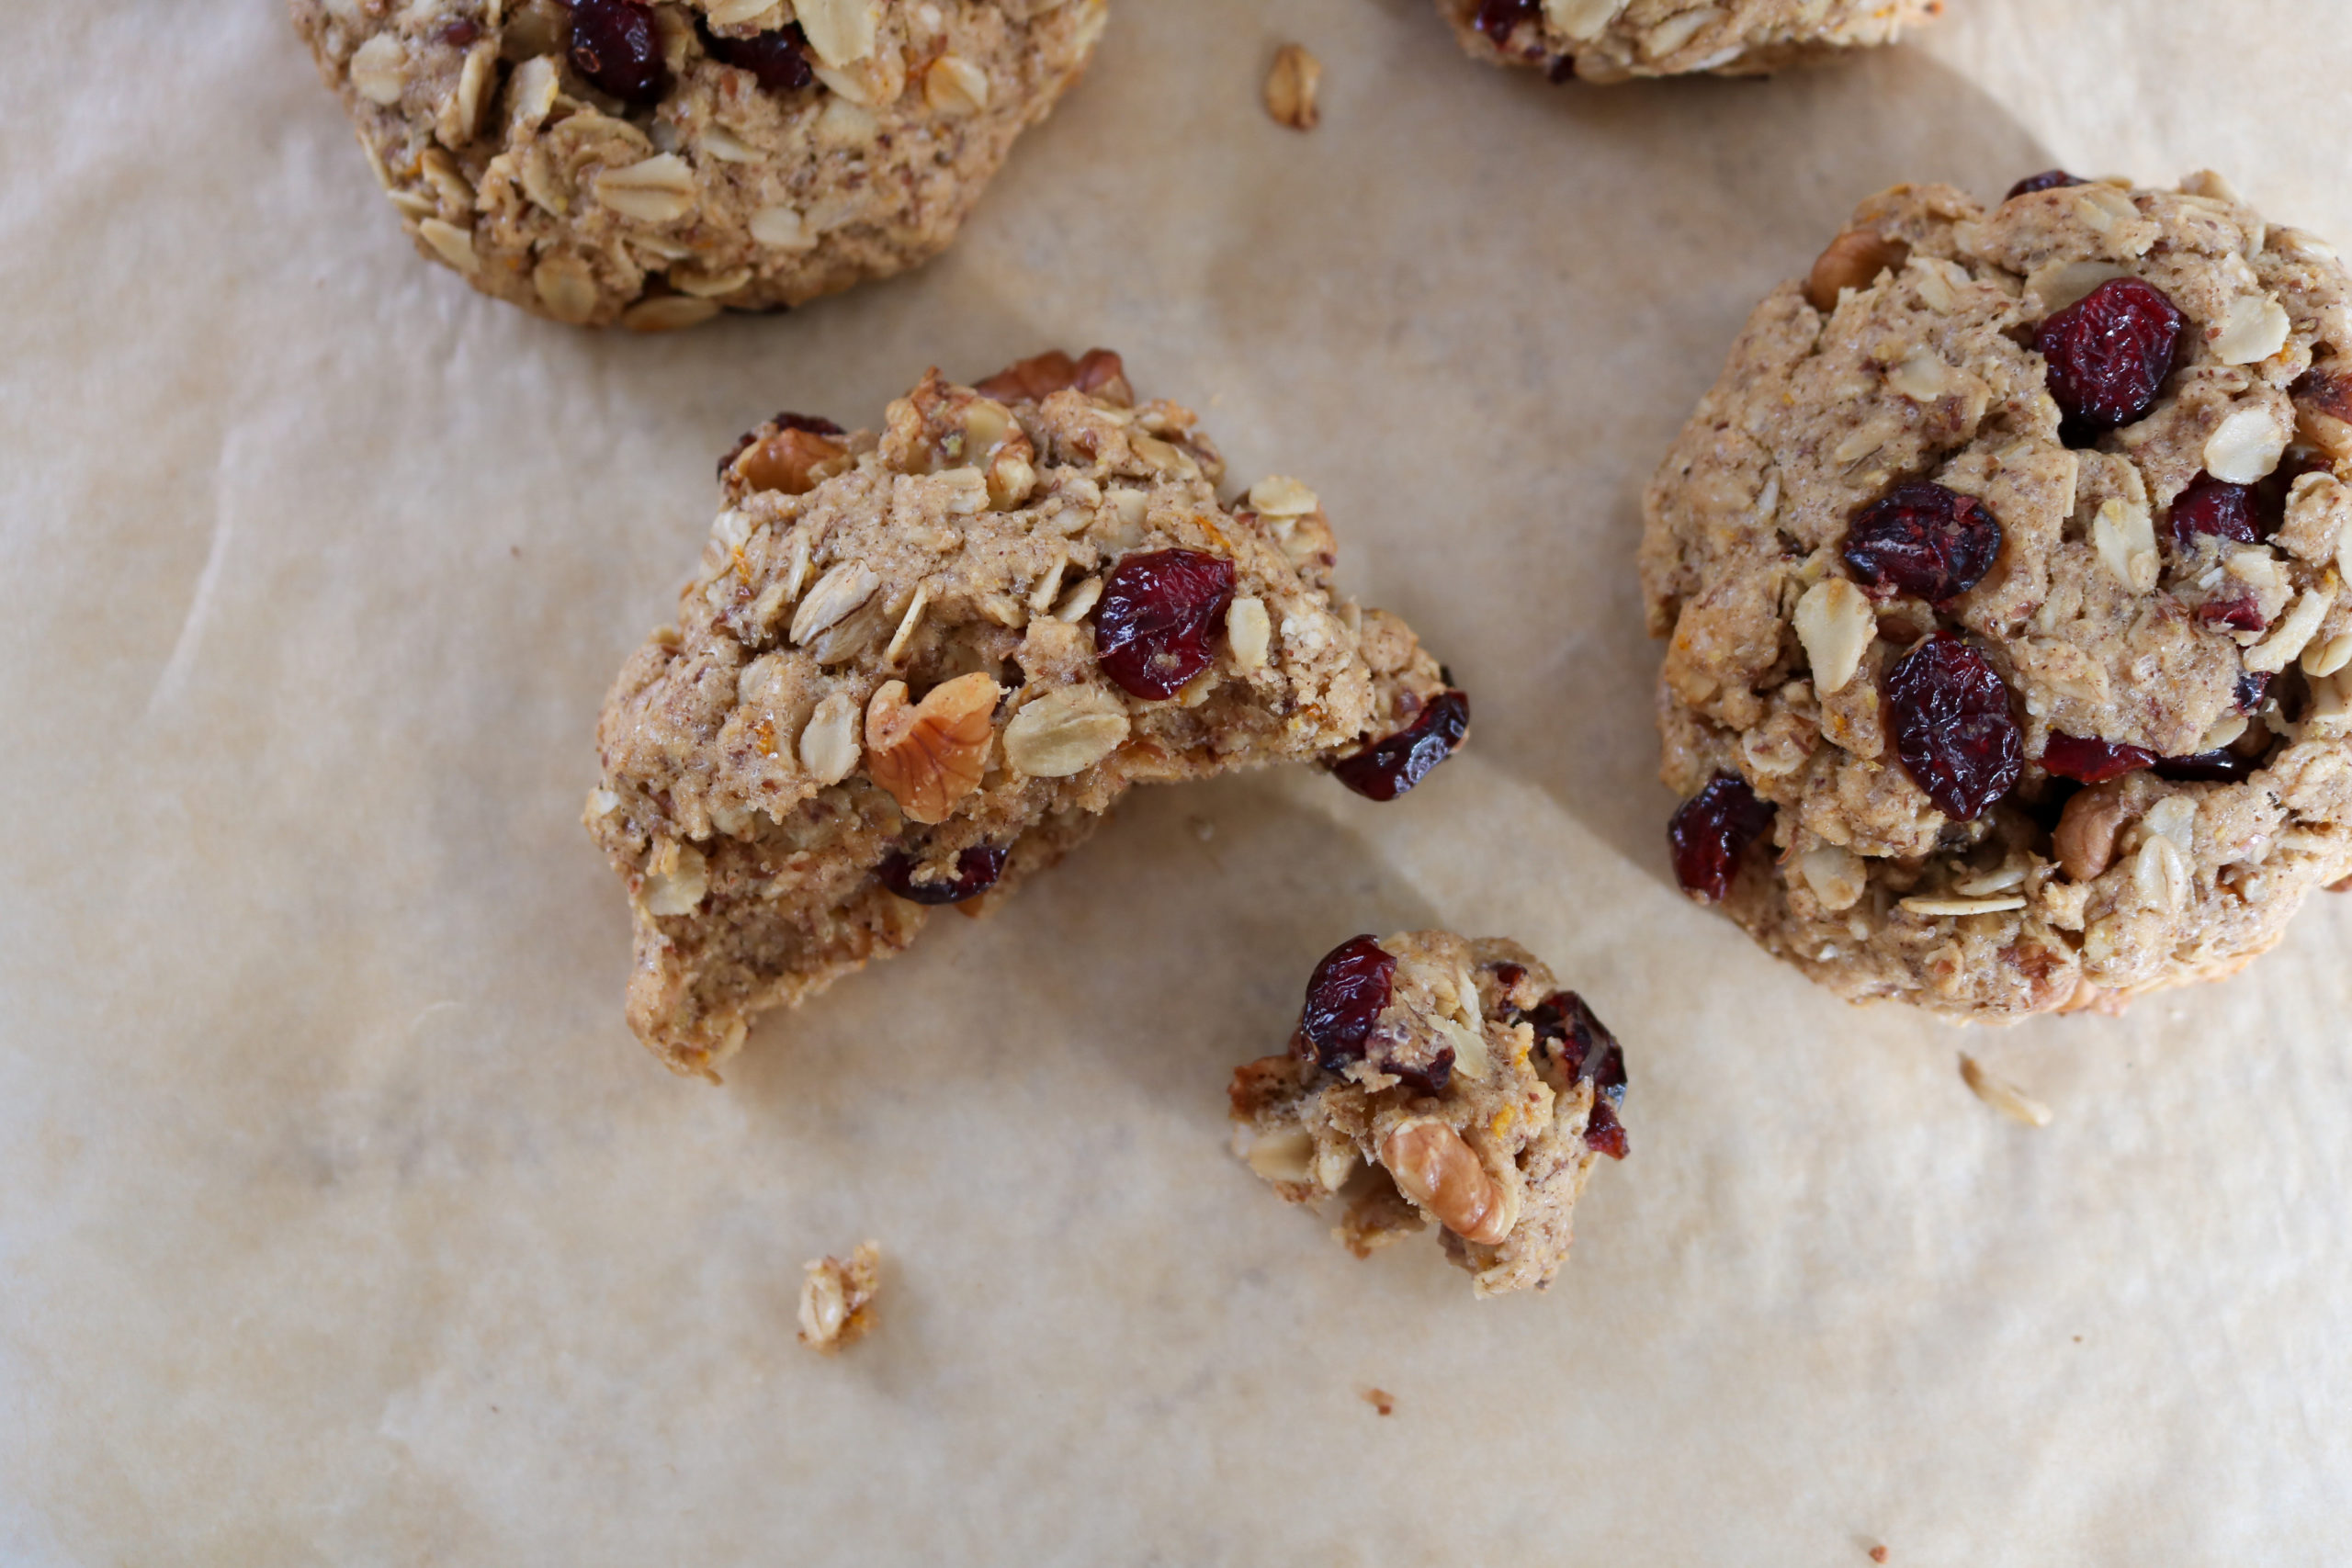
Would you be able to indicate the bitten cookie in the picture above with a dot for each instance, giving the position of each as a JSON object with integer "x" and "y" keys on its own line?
{"x": 653, "y": 164}
{"x": 1615, "y": 40}
{"x": 1433, "y": 1077}
{"x": 2004, "y": 574}
{"x": 918, "y": 667}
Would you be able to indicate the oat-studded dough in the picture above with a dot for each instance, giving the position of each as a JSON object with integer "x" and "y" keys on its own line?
{"x": 918, "y": 667}
{"x": 598, "y": 161}
{"x": 2147, "y": 680}
{"x": 1436, "y": 1079}
{"x": 1614, "y": 41}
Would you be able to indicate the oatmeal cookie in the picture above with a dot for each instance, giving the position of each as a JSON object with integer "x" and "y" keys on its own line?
{"x": 1615, "y": 40}
{"x": 2003, "y": 569}
{"x": 655, "y": 161}
{"x": 919, "y": 665}
{"x": 1433, "y": 1077}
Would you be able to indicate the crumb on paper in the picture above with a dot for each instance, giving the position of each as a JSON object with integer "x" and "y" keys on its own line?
{"x": 1380, "y": 1399}
{"x": 1292, "y": 86}
{"x": 1877, "y": 1554}
{"x": 2001, "y": 1094}
{"x": 837, "y": 1299}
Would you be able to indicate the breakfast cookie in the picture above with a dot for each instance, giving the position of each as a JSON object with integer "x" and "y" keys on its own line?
{"x": 655, "y": 161}
{"x": 919, "y": 665}
{"x": 1615, "y": 40}
{"x": 1432, "y": 1077}
{"x": 2004, "y": 572}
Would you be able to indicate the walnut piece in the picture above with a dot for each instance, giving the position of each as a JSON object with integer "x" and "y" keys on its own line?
{"x": 793, "y": 461}
{"x": 1853, "y": 259}
{"x": 931, "y": 754}
{"x": 1435, "y": 1168}
{"x": 1291, "y": 88}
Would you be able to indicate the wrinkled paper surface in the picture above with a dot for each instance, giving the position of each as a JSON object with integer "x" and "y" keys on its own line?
{"x": 341, "y": 1221}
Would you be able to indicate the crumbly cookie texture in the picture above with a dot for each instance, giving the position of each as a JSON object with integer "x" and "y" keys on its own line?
{"x": 2003, "y": 569}
{"x": 599, "y": 162}
{"x": 837, "y": 1299}
{"x": 1615, "y": 40}
{"x": 1437, "y": 1078}
{"x": 919, "y": 665}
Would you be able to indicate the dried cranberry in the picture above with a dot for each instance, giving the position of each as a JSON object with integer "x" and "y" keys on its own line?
{"x": 459, "y": 31}
{"x": 1710, "y": 830}
{"x": 1429, "y": 1076}
{"x": 1386, "y": 769}
{"x": 1157, "y": 617}
{"x": 1923, "y": 540}
{"x": 2215, "y": 508}
{"x": 1603, "y": 1134}
{"x": 1508, "y": 974}
{"x": 1563, "y": 1024}
{"x": 2108, "y": 353}
{"x": 2209, "y": 767}
{"x": 779, "y": 59}
{"x": 1566, "y": 1027}
{"x": 2092, "y": 761}
{"x": 613, "y": 43}
{"x": 1499, "y": 20}
{"x": 2235, "y": 611}
{"x": 1344, "y": 998}
{"x": 976, "y": 870}
{"x": 2247, "y": 694}
{"x": 2049, "y": 179}
{"x": 1954, "y": 727}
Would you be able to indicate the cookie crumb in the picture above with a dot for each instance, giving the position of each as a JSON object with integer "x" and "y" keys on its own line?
{"x": 1291, "y": 86}
{"x": 2001, "y": 1094}
{"x": 1380, "y": 1399}
{"x": 1877, "y": 1554}
{"x": 837, "y": 1299}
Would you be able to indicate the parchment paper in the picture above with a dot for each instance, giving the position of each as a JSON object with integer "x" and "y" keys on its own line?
{"x": 341, "y": 1222}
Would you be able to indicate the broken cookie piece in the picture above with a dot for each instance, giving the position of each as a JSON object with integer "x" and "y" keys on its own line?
{"x": 2010, "y": 661}
{"x": 917, "y": 668}
{"x": 654, "y": 162}
{"x": 1433, "y": 1077}
{"x": 837, "y": 1299}
{"x": 1612, "y": 41}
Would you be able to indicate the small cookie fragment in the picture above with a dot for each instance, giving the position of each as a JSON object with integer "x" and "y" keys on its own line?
{"x": 2001, "y": 1094}
{"x": 837, "y": 1299}
{"x": 1291, "y": 86}
{"x": 652, "y": 163}
{"x": 2003, "y": 575}
{"x": 1437, "y": 1078}
{"x": 1616, "y": 41}
{"x": 917, "y": 668}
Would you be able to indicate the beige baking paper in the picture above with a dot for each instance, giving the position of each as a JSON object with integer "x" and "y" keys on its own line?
{"x": 343, "y": 1222}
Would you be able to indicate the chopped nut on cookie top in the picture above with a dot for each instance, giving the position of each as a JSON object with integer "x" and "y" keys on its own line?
{"x": 1433, "y": 1077}
{"x": 2004, "y": 574}
{"x": 653, "y": 163}
{"x": 1616, "y": 41}
{"x": 917, "y": 667}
